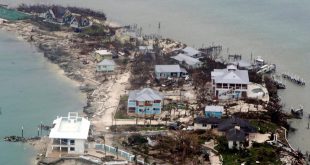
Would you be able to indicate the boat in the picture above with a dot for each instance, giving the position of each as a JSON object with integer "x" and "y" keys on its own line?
{"x": 267, "y": 69}
{"x": 298, "y": 113}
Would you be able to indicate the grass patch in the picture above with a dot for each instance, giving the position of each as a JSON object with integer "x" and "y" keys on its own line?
{"x": 121, "y": 112}
{"x": 264, "y": 126}
{"x": 263, "y": 153}
{"x": 13, "y": 15}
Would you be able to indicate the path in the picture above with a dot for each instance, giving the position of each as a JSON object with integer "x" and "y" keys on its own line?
{"x": 109, "y": 95}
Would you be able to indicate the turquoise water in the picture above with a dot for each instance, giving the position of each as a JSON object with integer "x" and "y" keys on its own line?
{"x": 31, "y": 91}
{"x": 276, "y": 30}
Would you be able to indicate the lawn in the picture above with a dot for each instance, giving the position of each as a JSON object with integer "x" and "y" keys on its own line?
{"x": 121, "y": 112}
{"x": 264, "y": 153}
{"x": 264, "y": 126}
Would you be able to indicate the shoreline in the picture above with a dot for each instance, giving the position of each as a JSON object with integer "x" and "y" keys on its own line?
{"x": 20, "y": 30}
{"x": 77, "y": 77}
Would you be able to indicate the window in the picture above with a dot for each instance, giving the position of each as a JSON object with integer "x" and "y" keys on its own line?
{"x": 72, "y": 149}
{"x": 204, "y": 125}
{"x": 131, "y": 109}
{"x": 148, "y": 103}
{"x": 225, "y": 86}
{"x": 72, "y": 142}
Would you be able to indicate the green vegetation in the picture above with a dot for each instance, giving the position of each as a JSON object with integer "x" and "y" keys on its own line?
{"x": 13, "y": 15}
{"x": 154, "y": 128}
{"x": 263, "y": 153}
{"x": 121, "y": 112}
{"x": 264, "y": 126}
{"x": 137, "y": 139}
{"x": 95, "y": 30}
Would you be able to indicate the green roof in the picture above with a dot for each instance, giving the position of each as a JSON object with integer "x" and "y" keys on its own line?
{"x": 11, "y": 14}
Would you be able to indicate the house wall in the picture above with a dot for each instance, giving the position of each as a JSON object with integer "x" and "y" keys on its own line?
{"x": 160, "y": 75}
{"x": 232, "y": 146}
{"x": 139, "y": 108}
{"x": 102, "y": 57}
{"x": 105, "y": 68}
{"x": 213, "y": 114}
{"x": 78, "y": 145}
{"x": 224, "y": 91}
{"x": 198, "y": 126}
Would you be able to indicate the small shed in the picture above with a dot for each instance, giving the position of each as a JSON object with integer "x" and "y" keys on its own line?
{"x": 106, "y": 66}
{"x": 214, "y": 111}
{"x": 103, "y": 54}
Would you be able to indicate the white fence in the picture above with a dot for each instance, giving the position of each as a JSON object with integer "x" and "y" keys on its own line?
{"x": 121, "y": 153}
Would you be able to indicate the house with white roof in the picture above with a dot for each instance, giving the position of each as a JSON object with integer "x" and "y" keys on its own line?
{"x": 172, "y": 71}
{"x": 105, "y": 66}
{"x": 103, "y": 54}
{"x": 192, "y": 52}
{"x": 230, "y": 83}
{"x": 144, "y": 102}
{"x": 69, "y": 134}
{"x": 187, "y": 61}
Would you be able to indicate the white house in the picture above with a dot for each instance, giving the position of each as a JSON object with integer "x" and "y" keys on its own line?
{"x": 230, "y": 83}
{"x": 106, "y": 66}
{"x": 173, "y": 71}
{"x": 187, "y": 61}
{"x": 192, "y": 52}
{"x": 69, "y": 134}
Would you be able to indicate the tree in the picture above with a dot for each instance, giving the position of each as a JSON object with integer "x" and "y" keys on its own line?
{"x": 179, "y": 147}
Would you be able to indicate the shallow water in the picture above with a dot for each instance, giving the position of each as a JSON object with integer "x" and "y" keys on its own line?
{"x": 32, "y": 90}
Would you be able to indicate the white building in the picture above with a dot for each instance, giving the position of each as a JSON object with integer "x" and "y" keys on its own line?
{"x": 192, "y": 52}
{"x": 187, "y": 61}
{"x": 69, "y": 134}
{"x": 172, "y": 71}
{"x": 230, "y": 83}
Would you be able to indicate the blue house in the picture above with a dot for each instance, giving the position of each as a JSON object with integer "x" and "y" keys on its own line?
{"x": 214, "y": 111}
{"x": 144, "y": 102}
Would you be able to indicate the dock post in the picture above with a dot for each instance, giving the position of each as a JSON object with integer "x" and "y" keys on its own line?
{"x": 41, "y": 127}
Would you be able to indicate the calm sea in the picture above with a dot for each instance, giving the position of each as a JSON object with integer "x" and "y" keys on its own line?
{"x": 31, "y": 90}
{"x": 276, "y": 30}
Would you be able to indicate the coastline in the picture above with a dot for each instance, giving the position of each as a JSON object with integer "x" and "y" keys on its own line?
{"x": 78, "y": 76}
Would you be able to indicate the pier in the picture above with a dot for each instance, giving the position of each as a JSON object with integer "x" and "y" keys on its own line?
{"x": 294, "y": 78}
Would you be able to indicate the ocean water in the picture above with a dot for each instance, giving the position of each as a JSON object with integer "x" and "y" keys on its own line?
{"x": 276, "y": 30}
{"x": 31, "y": 90}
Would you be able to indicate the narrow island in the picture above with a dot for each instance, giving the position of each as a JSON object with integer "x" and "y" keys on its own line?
{"x": 153, "y": 100}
